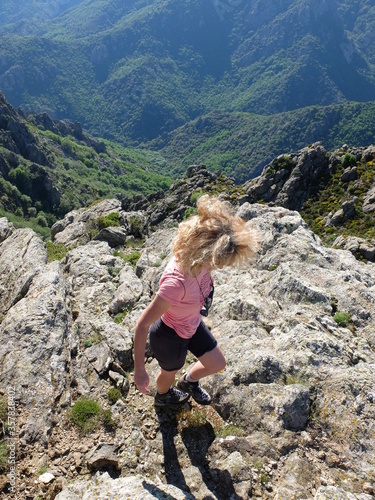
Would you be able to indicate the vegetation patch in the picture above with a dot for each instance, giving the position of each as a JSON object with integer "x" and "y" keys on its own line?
{"x": 95, "y": 338}
{"x": 229, "y": 430}
{"x": 55, "y": 251}
{"x": 114, "y": 394}
{"x": 342, "y": 319}
{"x": 333, "y": 193}
{"x": 114, "y": 271}
{"x": 88, "y": 415}
{"x": 110, "y": 220}
{"x": 120, "y": 316}
{"x": 294, "y": 379}
{"x": 132, "y": 258}
{"x": 191, "y": 418}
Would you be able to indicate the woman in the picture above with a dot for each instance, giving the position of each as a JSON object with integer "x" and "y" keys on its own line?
{"x": 210, "y": 240}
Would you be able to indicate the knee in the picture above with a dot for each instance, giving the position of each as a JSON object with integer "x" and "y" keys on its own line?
{"x": 220, "y": 361}
{"x": 222, "y": 364}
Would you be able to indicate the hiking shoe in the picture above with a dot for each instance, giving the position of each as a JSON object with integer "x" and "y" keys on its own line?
{"x": 172, "y": 398}
{"x": 195, "y": 390}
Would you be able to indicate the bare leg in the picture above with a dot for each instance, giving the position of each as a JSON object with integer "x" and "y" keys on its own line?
{"x": 164, "y": 380}
{"x": 211, "y": 362}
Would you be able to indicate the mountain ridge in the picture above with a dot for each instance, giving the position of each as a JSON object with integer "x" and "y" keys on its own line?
{"x": 158, "y": 68}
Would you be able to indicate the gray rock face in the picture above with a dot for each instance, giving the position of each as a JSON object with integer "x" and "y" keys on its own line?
{"x": 34, "y": 350}
{"x": 75, "y": 227}
{"x": 369, "y": 202}
{"x": 290, "y": 180}
{"x": 297, "y": 330}
{"x": 22, "y": 256}
{"x": 6, "y": 229}
{"x": 122, "y": 488}
{"x": 103, "y": 456}
{"x": 357, "y": 246}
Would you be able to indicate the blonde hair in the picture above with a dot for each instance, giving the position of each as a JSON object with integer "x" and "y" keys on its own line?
{"x": 214, "y": 238}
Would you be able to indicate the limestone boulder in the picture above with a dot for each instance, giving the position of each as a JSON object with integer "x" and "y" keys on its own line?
{"x": 22, "y": 256}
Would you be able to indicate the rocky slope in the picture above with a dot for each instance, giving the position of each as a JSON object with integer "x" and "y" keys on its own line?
{"x": 293, "y": 413}
{"x": 334, "y": 192}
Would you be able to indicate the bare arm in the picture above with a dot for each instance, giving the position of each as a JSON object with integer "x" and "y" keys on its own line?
{"x": 152, "y": 312}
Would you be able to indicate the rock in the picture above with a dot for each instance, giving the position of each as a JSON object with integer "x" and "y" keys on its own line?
{"x": 6, "y": 229}
{"x": 121, "y": 488}
{"x": 128, "y": 293}
{"x": 46, "y": 478}
{"x": 298, "y": 386}
{"x": 297, "y": 477}
{"x": 239, "y": 473}
{"x": 343, "y": 214}
{"x": 290, "y": 179}
{"x": 76, "y": 225}
{"x": 99, "y": 355}
{"x": 120, "y": 381}
{"x": 103, "y": 457}
{"x": 334, "y": 492}
{"x": 22, "y": 257}
{"x": 349, "y": 174}
{"x": 34, "y": 350}
{"x": 368, "y": 489}
{"x": 369, "y": 201}
{"x": 357, "y": 246}
{"x": 114, "y": 236}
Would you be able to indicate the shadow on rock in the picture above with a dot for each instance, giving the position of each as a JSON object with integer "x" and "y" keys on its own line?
{"x": 197, "y": 440}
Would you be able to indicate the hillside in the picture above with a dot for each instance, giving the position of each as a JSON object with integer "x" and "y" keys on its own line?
{"x": 241, "y": 144}
{"x": 136, "y": 71}
{"x": 48, "y": 168}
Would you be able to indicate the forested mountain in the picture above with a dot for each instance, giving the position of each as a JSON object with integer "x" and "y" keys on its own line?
{"x": 48, "y": 168}
{"x": 138, "y": 70}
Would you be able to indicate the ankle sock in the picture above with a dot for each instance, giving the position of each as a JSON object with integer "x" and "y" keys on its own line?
{"x": 164, "y": 393}
{"x": 188, "y": 378}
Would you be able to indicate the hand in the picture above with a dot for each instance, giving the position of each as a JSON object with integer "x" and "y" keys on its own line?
{"x": 141, "y": 380}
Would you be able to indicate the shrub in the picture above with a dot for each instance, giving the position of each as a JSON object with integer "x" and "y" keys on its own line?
{"x": 191, "y": 419}
{"x": 195, "y": 197}
{"x": 342, "y": 319}
{"x": 107, "y": 418}
{"x": 294, "y": 379}
{"x": 113, "y": 271}
{"x": 132, "y": 258}
{"x": 32, "y": 212}
{"x": 190, "y": 211}
{"x": 110, "y": 220}
{"x": 348, "y": 160}
{"x": 55, "y": 251}
{"x": 136, "y": 226}
{"x": 119, "y": 317}
{"x": 85, "y": 414}
{"x": 41, "y": 219}
{"x": 114, "y": 394}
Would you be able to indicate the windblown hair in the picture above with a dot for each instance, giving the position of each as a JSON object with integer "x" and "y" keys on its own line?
{"x": 214, "y": 238}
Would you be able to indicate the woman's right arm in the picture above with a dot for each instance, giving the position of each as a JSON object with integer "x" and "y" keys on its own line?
{"x": 152, "y": 312}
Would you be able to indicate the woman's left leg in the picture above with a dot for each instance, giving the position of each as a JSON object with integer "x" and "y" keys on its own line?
{"x": 209, "y": 363}
{"x": 210, "y": 360}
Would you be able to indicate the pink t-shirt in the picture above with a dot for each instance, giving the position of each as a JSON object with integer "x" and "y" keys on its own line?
{"x": 187, "y": 295}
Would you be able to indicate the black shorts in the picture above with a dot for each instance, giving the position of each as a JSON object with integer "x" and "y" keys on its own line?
{"x": 170, "y": 349}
